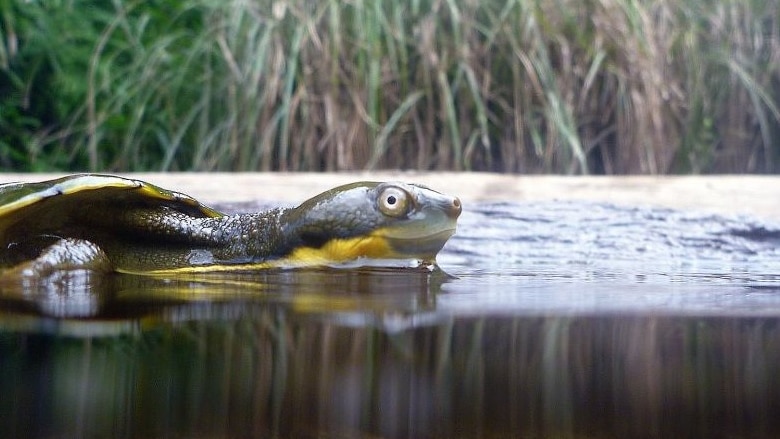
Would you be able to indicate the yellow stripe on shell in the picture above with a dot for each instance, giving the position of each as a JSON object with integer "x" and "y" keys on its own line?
{"x": 66, "y": 186}
{"x": 88, "y": 182}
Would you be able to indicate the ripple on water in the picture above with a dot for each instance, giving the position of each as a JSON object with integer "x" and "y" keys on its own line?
{"x": 566, "y": 257}
{"x": 591, "y": 257}
{"x": 563, "y": 320}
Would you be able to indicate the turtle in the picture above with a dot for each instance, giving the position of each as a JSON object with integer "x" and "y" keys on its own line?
{"x": 110, "y": 223}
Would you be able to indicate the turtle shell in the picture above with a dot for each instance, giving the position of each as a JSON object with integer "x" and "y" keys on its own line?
{"x": 53, "y": 207}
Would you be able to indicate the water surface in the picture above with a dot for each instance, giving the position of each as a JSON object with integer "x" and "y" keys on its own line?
{"x": 552, "y": 320}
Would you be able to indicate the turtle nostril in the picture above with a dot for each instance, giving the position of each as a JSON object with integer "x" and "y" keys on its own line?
{"x": 456, "y": 208}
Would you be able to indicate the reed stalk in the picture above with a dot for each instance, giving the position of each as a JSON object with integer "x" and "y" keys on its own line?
{"x": 542, "y": 86}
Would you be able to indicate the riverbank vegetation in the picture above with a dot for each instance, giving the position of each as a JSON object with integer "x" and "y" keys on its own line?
{"x": 530, "y": 86}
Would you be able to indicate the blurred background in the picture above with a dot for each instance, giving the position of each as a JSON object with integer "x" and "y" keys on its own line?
{"x": 516, "y": 86}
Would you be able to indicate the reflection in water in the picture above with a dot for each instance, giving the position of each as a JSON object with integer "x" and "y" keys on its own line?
{"x": 286, "y": 374}
{"x": 555, "y": 325}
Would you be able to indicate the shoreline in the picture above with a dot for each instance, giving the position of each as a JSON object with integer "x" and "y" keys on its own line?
{"x": 755, "y": 195}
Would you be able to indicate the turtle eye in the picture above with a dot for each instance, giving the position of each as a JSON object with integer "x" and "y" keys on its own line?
{"x": 393, "y": 202}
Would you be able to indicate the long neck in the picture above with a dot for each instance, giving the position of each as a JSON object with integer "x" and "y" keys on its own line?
{"x": 173, "y": 240}
{"x": 251, "y": 236}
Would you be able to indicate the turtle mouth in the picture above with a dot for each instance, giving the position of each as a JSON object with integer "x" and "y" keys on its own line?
{"x": 424, "y": 246}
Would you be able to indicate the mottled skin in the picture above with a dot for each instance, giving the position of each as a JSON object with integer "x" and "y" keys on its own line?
{"x": 103, "y": 222}
{"x": 164, "y": 238}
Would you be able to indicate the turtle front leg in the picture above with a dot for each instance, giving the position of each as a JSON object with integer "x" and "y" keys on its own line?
{"x": 63, "y": 255}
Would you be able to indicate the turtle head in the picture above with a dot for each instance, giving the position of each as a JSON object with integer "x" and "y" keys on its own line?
{"x": 372, "y": 220}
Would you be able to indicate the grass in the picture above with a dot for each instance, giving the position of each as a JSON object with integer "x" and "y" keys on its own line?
{"x": 542, "y": 86}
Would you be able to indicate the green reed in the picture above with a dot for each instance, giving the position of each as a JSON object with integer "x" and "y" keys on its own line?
{"x": 564, "y": 86}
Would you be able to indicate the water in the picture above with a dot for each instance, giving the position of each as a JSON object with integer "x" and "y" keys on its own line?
{"x": 556, "y": 320}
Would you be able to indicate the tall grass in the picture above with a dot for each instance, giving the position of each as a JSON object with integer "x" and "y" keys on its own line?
{"x": 564, "y": 86}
